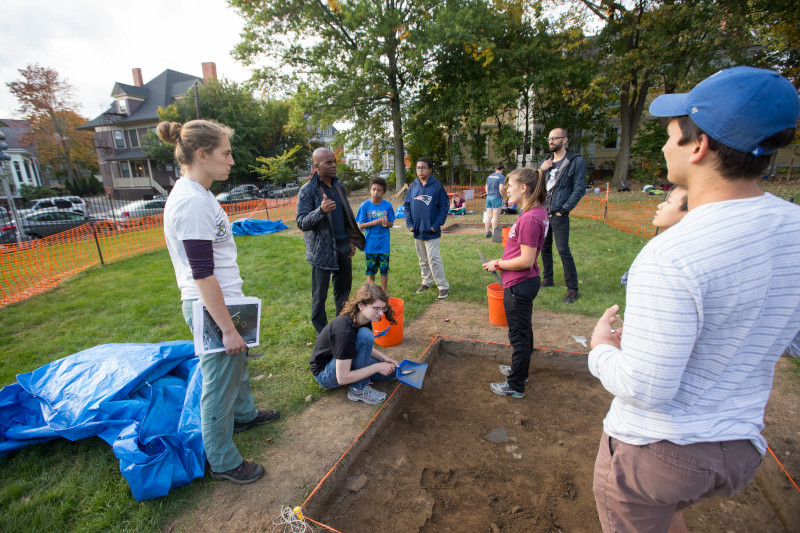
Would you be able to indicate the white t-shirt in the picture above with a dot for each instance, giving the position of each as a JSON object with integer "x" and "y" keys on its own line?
{"x": 192, "y": 213}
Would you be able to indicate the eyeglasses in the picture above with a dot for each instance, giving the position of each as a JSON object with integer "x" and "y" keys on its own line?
{"x": 378, "y": 309}
{"x": 422, "y": 168}
{"x": 551, "y": 139}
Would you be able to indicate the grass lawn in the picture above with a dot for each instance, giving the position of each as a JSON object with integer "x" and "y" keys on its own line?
{"x": 77, "y": 485}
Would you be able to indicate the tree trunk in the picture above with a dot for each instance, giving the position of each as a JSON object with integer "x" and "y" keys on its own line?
{"x": 397, "y": 119}
{"x": 631, "y": 107}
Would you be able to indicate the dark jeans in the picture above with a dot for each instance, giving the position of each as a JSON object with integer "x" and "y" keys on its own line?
{"x": 518, "y": 304}
{"x": 559, "y": 225}
{"x": 320, "y": 281}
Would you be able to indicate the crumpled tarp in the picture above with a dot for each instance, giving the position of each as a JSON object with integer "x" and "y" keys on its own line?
{"x": 401, "y": 212}
{"x": 254, "y": 226}
{"x": 142, "y": 399}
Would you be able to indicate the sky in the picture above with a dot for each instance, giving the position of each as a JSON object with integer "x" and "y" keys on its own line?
{"x": 95, "y": 43}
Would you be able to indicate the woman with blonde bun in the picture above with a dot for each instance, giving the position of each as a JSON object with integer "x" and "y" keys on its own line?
{"x": 203, "y": 253}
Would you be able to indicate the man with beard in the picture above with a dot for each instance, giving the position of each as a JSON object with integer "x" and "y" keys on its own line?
{"x": 566, "y": 185}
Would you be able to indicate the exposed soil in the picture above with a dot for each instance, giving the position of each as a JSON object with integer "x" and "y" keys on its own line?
{"x": 428, "y": 466}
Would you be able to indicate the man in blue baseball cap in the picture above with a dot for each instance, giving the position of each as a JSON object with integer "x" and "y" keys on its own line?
{"x": 692, "y": 372}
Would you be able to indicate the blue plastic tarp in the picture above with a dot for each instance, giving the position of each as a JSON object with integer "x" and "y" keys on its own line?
{"x": 253, "y": 226}
{"x": 401, "y": 212}
{"x": 142, "y": 399}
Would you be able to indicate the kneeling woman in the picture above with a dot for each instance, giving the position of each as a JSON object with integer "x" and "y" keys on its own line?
{"x": 345, "y": 351}
{"x": 520, "y": 274}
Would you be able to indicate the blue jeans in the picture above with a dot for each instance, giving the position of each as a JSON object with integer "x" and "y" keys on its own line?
{"x": 365, "y": 341}
{"x": 518, "y": 305}
{"x": 225, "y": 399}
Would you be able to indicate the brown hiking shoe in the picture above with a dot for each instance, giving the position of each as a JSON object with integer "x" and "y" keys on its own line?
{"x": 443, "y": 293}
{"x": 422, "y": 288}
{"x": 262, "y": 418}
{"x": 244, "y": 474}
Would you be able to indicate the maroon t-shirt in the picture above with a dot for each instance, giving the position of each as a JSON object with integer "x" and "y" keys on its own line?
{"x": 530, "y": 229}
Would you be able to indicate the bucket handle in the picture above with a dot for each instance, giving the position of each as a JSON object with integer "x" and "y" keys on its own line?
{"x": 382, "y": 333}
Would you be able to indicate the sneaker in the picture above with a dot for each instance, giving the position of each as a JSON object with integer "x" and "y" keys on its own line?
{"x": 547, "y": 283}
{"x": 488, "y": 234}
{"x": 571, "y": 297}
{"x": 243, "y": 474}
{"x": 443, "y": 293}
{"x": 506, "y": 371}
{"x": 367, "y": 395}
{"x": 503, "y": 389}
{"x": 422, "y": 288}
{"x": 262, "y": 418}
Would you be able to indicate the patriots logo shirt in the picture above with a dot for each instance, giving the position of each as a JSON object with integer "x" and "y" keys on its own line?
{"x": 424, "y": 198}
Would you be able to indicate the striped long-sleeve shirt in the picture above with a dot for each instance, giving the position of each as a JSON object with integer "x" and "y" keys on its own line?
{"x": 711, "y": 306}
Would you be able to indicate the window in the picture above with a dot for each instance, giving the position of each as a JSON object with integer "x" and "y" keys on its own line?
{"x": 133, "y": 137}
{"x": 122, "y": 107}
{"x": 18, "y": 170}
{"x": 611, "y": 141}
{"x": 119, "y": 139}
{"x": 125, "y": 169}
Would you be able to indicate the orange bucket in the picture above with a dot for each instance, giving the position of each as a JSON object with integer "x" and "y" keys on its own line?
{"x": 394, "y": 335}
{"x": 506, "y": 231}
{"x": 497, "y": 313}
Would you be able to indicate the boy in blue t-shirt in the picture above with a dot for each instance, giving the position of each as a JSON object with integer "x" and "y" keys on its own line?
{"x": 376, "y": 217}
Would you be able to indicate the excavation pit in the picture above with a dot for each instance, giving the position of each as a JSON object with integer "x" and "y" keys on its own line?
{"x": 436, "y": 459}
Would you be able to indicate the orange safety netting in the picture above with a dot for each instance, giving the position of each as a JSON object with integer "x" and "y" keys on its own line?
{"x": 33, "y": 267}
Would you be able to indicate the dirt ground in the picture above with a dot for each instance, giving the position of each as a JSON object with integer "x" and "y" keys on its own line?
{"x": 433, "y": 470}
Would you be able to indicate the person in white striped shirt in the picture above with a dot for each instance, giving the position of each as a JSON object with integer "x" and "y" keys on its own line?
{"x": 692, "y": 371}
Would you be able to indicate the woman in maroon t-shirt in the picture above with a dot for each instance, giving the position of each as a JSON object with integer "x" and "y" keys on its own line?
{"x": 520, "y": 274}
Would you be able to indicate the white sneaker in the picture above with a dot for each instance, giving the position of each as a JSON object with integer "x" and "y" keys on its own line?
{"x": 506, "y": 371}
{"x": 367, "y": 395}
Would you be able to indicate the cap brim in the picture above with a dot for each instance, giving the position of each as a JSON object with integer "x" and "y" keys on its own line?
{"x": 670, "y": 105}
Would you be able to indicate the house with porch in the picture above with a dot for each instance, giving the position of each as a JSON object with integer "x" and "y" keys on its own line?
{"x": 119, "y": 131}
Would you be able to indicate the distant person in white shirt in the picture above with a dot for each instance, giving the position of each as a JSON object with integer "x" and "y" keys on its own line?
{"x": 692, "y": 372}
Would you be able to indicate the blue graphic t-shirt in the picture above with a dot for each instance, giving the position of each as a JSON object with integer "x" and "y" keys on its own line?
{"x": 378, "y": 237}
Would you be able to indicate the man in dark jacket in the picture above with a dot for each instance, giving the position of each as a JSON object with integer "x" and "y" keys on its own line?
{"x": 566, "y": 185}
{"x": 331, "y": 234}
{"x": 426, "y": 209}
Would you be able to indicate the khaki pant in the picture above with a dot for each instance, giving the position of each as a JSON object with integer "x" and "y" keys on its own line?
{"x": 430, "y": 263}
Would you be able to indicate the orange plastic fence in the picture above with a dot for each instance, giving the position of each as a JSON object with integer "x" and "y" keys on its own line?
{"x": 35, "y": 266}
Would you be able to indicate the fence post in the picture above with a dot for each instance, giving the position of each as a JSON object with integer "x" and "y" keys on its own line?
{"x": 605, "y": 211}
{"x": 97, "y": 243}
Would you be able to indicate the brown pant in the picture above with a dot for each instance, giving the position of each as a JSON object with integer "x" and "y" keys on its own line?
{"x": 639, "y": 488}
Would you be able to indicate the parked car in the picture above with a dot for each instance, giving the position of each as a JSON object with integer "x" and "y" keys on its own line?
{"x": 138, "y": 209}
{"x": 44, "y": 224}
{"x": 248, "y": 188}
{"x": 232, "y": 197}
{"x": 384, "y": 174}
{"x": 54, "y": 204}
{"x": 78, "y": 202}
{"x": 290, "y": 190}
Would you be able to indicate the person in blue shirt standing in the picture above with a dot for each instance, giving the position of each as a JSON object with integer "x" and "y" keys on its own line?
{"x": 495, "y": 192}
{"x": 376, "y": 217}
{"x": 426, "y": 208}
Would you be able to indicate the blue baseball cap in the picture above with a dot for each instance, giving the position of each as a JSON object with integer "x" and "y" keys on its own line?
{"x": 739, "y": 107}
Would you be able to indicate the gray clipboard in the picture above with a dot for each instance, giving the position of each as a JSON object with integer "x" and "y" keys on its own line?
{"x": 496, "y": 275}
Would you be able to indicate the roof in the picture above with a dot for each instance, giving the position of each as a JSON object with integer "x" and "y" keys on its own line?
{"x": 158, "y": 92}
{"x": 134, "y": 153}
{"x": 16, "y": 131}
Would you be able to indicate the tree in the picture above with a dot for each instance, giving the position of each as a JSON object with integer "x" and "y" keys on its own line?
{"x": 360, "y": 58}
{"x": 278, "y": 169}
{"x": 48, "y": 102}
{"x": 50, "y": 144}
{"x": 261, "y": 127}
{"x": 671, "y": 44}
